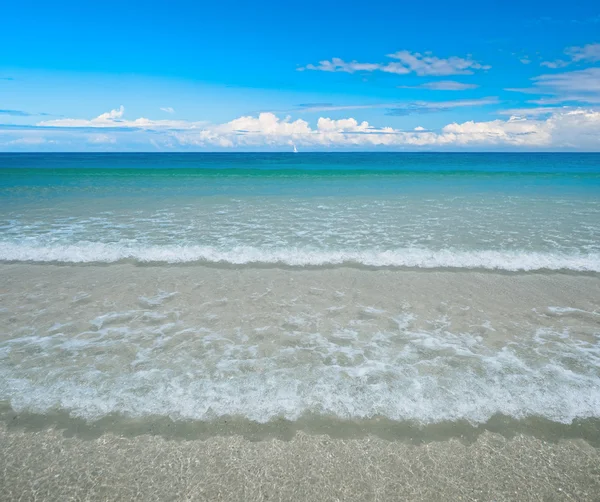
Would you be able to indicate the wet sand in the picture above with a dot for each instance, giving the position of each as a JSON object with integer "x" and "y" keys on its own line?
{"x": 48, "y": 465}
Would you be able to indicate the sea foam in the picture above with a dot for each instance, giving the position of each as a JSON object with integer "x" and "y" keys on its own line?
{"x": 463, "y": 383}
{"x": 96, "y": 252}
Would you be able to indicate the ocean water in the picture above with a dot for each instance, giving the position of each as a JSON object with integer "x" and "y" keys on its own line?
{"x": 311, "y": 288}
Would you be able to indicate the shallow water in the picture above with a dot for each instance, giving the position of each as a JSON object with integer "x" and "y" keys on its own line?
{"x": 45, "y": 464}
{"x": 412, "y": 290}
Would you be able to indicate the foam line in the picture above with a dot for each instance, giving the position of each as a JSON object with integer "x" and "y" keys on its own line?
{"x": 90, "y": 252}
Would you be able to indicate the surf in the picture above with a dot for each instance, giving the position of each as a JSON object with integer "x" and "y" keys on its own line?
{"x": 409, "y": 257}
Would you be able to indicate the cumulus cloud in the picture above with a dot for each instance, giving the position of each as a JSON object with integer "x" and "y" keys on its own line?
{"x": 114, "y": 118}
{"x": 589, "y": 53}
{"x": 270, "y": 130}
{"x": 442, "y": 85}
{"x": 541, "y": 128}
{"x": 404, "y": 62}
{"x": 569, "y": 129}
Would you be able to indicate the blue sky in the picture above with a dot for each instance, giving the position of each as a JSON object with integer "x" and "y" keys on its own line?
{"x": 152, "y": 76}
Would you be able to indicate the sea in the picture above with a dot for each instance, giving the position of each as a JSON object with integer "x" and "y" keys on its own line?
{"x": 406, "y": 295}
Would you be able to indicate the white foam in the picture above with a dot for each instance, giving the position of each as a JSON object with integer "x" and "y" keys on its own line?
{"x": 90, "y": 252}
{"x": 156, "y": 300}
{"x": 570, "y": 310}
{"x": 436, "y": 376}
{"x": 112, "y": 318}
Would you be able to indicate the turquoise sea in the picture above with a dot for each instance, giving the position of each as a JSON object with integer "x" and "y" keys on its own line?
{"x": 421, "y": 289}
{"x": 491, "y": 211}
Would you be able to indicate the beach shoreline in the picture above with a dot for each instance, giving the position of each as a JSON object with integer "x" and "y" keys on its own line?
{"x": 301, "y": 327}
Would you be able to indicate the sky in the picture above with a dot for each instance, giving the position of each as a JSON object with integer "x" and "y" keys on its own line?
{"x": 315, "y": 75}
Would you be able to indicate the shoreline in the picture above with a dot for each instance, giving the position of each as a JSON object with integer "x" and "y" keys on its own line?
{"x": 281, "y": 429}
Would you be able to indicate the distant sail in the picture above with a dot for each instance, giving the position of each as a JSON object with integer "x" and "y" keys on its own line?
{"x": 295, "y": 149}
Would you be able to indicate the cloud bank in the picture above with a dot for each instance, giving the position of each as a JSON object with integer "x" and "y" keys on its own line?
{"x": 565, "y": 129}
{"x": 555, "y": 128}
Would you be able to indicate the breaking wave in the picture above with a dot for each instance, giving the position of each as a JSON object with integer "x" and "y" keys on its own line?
{"x": 90, "y": 252}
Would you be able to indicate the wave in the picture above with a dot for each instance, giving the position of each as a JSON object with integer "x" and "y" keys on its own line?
{"x": 426, "y": 400}
{"x": 90, "y": 252}
{"x": 438, "y": 376}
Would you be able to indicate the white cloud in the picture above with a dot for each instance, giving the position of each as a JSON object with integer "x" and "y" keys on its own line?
{"x": 337, "y": 64}
{"x": 527, "y": 128}
{"x": 581, "y": 86}
{"x": 581, "y": 81}
{"x": 589, "y": 53}
{"x": 569, "y": 129}
{"x": 405, "y": 63}
{"x": 114, "y": 118}
{"x": 168, "y": 109}
{"x": 578, "y": 129}
{"x": 426, "y": 64}
{"x": 512, "y": 132}
{"x": 442, "y": 85}
{"x": 557, "y": 63}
